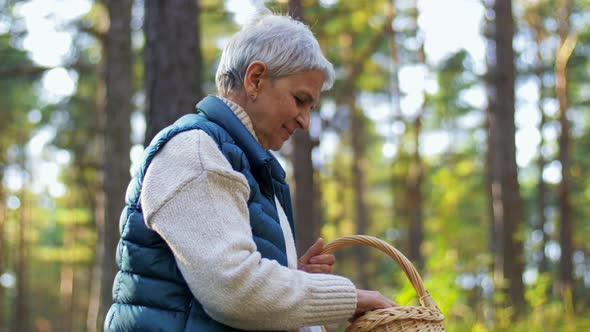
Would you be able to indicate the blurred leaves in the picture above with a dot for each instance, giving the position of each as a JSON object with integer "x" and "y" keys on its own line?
{"x": 352, "y": 34}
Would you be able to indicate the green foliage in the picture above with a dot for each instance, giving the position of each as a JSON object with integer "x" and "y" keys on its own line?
{"x": 455, "y": 212}
{"x": 454, "y": 77}
{"x": 16, "y": 91}
{"x": 215, "y": 23}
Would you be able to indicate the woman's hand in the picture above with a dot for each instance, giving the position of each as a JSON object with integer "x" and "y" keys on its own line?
{"x": 313, "y": 262}
{"x": 370, "y": 300}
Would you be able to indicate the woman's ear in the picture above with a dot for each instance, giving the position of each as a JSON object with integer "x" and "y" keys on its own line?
{"x": 255, "y": 73}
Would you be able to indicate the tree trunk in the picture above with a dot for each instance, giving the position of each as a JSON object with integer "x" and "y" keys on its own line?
{"x": 172, "y": 62}
{"x": 416, "y": 170}
{"x": 396, "y": 112}
{"x": 357, "y": 134}
{"x": 2, "y": 251}
{"x": 308, "y": 226}
{"x": 564, "y": 52}
{"x": 296, "y": 10}
{"x": 347, "y": 97}
{"x": 22, "y": 314}
{"x": 542, "y": 193}
{"x": 98, "y": 202}
{"x": 493, "y": 238}
{"x": 537, "y": 26}
{"x": 96, "y": 301}
{"x": 415, "y": 197}
{"x": 67, "y": 283}
{"x": 506, "y": 199}
{"x": 118, "y": 80}
{"x": 67, "y": 291}
{"x": 390, "y": 34}
{"x": 118, "y": 107}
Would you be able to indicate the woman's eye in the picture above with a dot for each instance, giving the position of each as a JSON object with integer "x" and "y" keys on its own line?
{"x": 298, "y": 101}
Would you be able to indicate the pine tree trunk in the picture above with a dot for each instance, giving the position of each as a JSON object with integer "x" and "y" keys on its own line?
{"x": 566, "y": 46}
{"x": 296, "y": 10}
{"x": 390, "y": 34}
{"x": 2, "y": 251}
{"x": 119, "y": 93}
{"x": 67, "y": 284}
{"x": 541, "y": 162}
{"x": 542, "y": 195}
{"x": 172, "y": 62}
{"x": 416, "y": 170}
{"x": 353, "y": 62}
{"x": 493, "y": 231}
{"x": 22, "y": 314}
{"x": 357, "y": 133}
{"x": 348, "y": 100}
{"x": 396, "y": 96}
{"x": 506, "y": 199}
{"x": 306, "y": 211}
{"x": 118, "y": 82}
{"x": 308, "y": 225}
{"x": 96, "y": 300}
{"x": 415, "y": 197}
{"x": 67, "y": 291}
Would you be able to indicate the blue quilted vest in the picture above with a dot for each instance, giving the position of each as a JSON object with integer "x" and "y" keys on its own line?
{"x": 149, "y": 292}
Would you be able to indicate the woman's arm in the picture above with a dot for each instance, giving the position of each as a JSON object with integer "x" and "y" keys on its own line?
{"x": 198, "y": 204}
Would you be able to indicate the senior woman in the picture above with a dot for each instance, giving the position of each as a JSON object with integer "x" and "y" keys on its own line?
{"x": 207, "y": 231}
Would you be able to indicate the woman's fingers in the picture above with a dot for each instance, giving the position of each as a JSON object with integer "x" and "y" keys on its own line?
{"x": 313, "y": 262}
{"x": 317, "y": 268}
{"x": 371, "y": 300}
{"x": 327, "y": 259}
{"x": 313, "y": 251}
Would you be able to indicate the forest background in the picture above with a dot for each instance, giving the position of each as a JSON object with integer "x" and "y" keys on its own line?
{"x": 457, "y": 131}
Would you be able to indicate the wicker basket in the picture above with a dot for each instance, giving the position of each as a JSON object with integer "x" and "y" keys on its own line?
{"x": 409, "y": 318}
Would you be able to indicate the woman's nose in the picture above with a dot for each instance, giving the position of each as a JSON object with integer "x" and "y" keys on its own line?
{"x": 303, "y": 120}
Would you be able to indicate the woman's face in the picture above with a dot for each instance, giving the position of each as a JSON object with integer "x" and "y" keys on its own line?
{"x": 283, "y": 105}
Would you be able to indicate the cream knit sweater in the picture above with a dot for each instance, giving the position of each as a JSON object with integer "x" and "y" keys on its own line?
{"x": 194, "y": 199}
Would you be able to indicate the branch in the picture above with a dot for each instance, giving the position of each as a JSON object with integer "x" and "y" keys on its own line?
{"x": 92, "y": 31}
{"x": 83, "y": 67}
{"x": 358, "y": 63}
{"x": 565, "y": 51}
{"x": 22, "y": 71}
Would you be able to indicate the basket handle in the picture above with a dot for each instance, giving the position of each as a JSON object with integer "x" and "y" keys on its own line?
{"x": 423, "y": 295}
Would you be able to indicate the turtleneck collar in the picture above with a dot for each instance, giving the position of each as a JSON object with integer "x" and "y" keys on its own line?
{"x": 241, "y": 114}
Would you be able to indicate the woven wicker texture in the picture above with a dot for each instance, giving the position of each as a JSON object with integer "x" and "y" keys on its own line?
{"x": 409, "y": 318}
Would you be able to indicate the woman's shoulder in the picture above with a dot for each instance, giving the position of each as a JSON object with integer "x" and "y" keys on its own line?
{"x": 197, "y": 152}
{"x": 193, "y": 149}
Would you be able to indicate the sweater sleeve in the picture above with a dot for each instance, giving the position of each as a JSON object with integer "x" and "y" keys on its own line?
{"x": 198, "y": 204}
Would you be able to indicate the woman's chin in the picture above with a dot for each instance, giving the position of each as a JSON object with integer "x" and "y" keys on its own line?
{"x": 276, "y": 146}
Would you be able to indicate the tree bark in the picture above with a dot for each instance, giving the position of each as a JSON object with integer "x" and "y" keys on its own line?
{"x": 67, "y": 283}
{"x": 118, "y": 82}
{"x": 2, "y": 249}
{"x": 537, "y": 27}
{"x": 416, "y": 170}
{"x": 308, "y": 226}
{"x": 22, "y": 314}
{"x": 506, "y": 200}
{"x": 357, "y": 134}
{"x": 564, "y": 52}
{"x": 493, "y": 238}
{"x": 542, "y": 191}
{"x": 348, "y": 100}
{"x": 96, "y": 303}
{"x": 398, "y": 205}
{"x": 172, "y": 62}
{"x": 347, "y": 97}
{"x": 415, "y": 197}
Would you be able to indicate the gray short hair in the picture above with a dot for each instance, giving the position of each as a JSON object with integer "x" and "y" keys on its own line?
{"x": 285, "y": 45}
